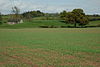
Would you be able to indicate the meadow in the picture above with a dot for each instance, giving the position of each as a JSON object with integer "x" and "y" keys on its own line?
{"x": 50, "y": 47}
{"x": 38, "y": 23}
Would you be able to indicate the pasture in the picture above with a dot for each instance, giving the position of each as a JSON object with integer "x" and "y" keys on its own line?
{"x": 56, "y": 47}
{"x": 38, "y": 23}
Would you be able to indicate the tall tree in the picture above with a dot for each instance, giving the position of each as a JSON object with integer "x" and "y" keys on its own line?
{"x": 77, "y": 16}
{"x": 16, "y": 12}
{"x": 15, "y": 16}
{"x": 80, "y": 17}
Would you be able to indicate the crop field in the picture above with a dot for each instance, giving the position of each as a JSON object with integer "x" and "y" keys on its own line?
{"x": 46, "y": 47}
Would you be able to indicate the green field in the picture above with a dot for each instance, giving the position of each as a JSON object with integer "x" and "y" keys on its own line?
{"x": 94, "y": 23}
{"x": 35, "y": 24}
{"x": 51, "y": 47}
{"x": 38, "y": 23}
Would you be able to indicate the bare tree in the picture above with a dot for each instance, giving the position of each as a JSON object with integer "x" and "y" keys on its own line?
{"x": 15, "y": 16}
{"x": 16, "y": 12}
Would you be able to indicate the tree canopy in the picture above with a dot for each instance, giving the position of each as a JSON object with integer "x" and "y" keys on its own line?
{"x": 32, "y": 14}
{"x": 77, "y": 16}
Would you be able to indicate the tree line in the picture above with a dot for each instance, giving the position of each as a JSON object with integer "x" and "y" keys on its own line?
{"x": 32, "y": 14}
{"x": 76, "y": 17}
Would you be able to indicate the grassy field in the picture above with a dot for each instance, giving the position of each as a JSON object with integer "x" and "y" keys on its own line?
{"x": 56, "y": 47}
{"x": 38, "y": 23}
{"x": 94, "y": 23}
{"x": 35, "y": 24}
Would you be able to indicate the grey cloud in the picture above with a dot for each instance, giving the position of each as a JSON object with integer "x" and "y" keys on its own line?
{"x": 90, "y": 7}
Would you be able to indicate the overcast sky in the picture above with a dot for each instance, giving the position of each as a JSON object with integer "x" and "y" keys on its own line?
{"x": 51, "y": 6}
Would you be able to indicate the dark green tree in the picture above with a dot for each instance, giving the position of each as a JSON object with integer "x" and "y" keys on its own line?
{"x": 77, "y": 16}
{"x": 63, "y": 15}
{"x": 33, "y": 14}
{"x": 82, "y": 21}
{"x": 80, "y": 17}
{"x": 70, "y": 18}
{"x": 39, "y": 13}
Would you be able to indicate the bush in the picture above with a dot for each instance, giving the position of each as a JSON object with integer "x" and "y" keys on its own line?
{"x": 51, "y": 26}
{"x": 98, "y": 25}
{"x": 0, "y": 22}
